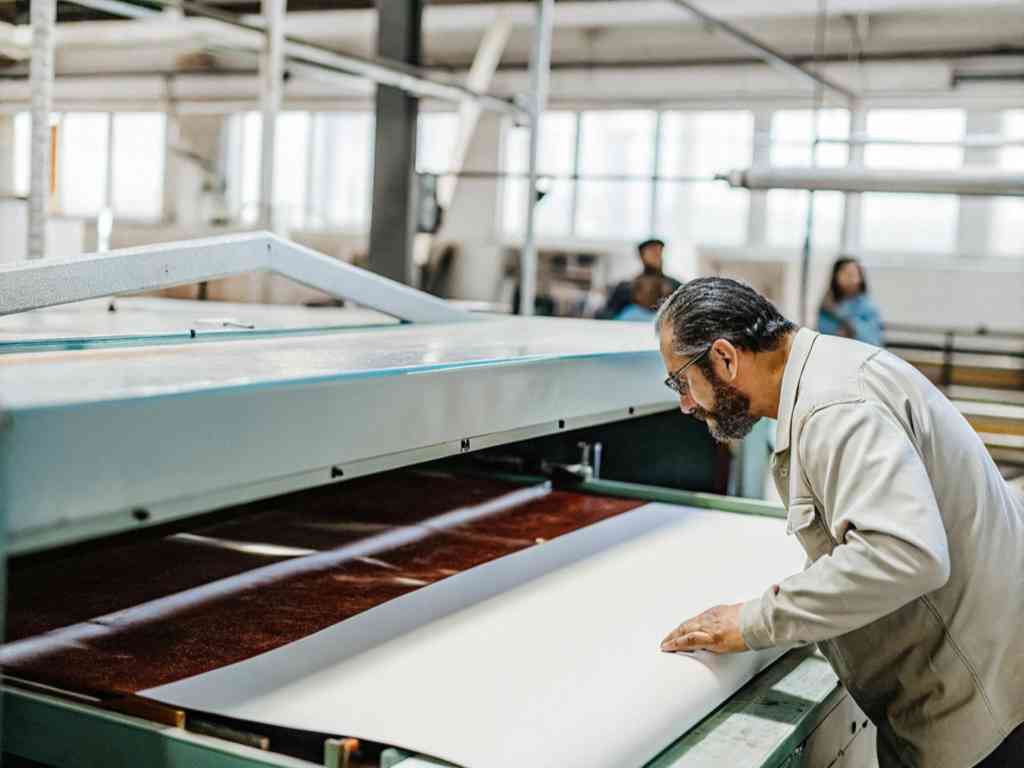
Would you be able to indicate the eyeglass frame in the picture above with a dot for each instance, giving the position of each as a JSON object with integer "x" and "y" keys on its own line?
{"x": 672, "y": 380}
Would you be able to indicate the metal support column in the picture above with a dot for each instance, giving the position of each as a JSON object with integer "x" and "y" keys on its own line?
{"x": 852, "y": 201}
{"x": 757, "y": 213}
{"x": 393, "y": 217}
{"x": 169, "y": 205}
{"x": 540, "y": 71}
{"x": 44, "y": 19}
{"x": 272, "y": 71}
{"x": 6, "y": 155}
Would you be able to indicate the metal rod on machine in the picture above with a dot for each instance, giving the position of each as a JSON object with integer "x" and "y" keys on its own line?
{"x": 766, "y": 52}
{"x": 272, "y": 72}
{"x": 960, "y": 182}
{"x": 540, "y": 71}
{"x": 44, "y": 19}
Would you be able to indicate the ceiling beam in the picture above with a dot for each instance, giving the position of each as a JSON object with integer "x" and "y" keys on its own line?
{"x": 770, "y": 55}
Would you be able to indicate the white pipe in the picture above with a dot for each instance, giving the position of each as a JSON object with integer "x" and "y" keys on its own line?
{"x": 967, "y": 181}
{"x": 540, "y": 71}
{"x": 853, "y": 203}
{"x": 272, "y": 71}
{"x": 44, "y": 19}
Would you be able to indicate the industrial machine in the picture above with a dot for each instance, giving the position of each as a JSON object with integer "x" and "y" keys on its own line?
{"x": 188, "y": 489}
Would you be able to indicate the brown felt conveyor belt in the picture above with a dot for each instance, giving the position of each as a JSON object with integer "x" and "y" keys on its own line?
{"x": 101, "y": 620}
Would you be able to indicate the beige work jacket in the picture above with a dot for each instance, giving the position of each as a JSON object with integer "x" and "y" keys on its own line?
{"x": 914, "y": 586}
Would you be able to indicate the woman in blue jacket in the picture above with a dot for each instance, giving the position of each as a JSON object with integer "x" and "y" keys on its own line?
{"x": 847, "y": 309}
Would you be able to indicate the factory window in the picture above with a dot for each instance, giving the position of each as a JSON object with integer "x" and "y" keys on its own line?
{"x": 343, "y": 163}
{"x": 1006, "y": 235}
{"x": 617, "y": 151}
{"x": 294, "y": 156}
{"x": 130, "y": 145}
{"x": 291, "y": 166}
{"x": 22, "y": 152}
{"x": 912, "y": 223}
{"x": 137, "y": 154}
{"x": 82, "y": 163}
{"x": 245, "y": 134}
{"x": 792, "y": 142}
{"x": 556, "y": 161}
{"x": 436, "y": 137}
{"x": 436, "y": 134}
{"x": 694, "y": 146}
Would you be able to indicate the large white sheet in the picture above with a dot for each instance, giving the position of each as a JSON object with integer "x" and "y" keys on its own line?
{"x": 548, "y": 657}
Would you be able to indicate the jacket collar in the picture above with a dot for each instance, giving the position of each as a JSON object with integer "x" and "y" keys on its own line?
{"x": 798, "y": 356}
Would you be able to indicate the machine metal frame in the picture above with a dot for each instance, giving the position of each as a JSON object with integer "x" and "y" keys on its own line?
{"x": 763, "y": 726}
{"x": 34, "y": 285}
{"x": 471, "y": 404}
{"x": 137, "y": 479}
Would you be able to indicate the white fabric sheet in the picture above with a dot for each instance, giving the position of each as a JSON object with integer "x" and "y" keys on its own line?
{"x": 548, "y": 657}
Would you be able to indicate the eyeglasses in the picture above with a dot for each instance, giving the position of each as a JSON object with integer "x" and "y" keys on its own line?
{"x": 678, "y": 385}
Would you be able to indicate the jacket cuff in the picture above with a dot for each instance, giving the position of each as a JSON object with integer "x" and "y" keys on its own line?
{"x": 755, "y": 631}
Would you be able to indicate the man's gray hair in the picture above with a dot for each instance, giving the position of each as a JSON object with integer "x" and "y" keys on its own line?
{"x": 710, "y": 308}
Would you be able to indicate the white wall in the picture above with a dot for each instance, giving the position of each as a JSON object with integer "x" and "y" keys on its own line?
{"x": 912, "y": 291}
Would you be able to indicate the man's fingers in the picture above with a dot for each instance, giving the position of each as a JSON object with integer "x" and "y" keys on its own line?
{"x": 689, "y": 641}
{"x": 683, "y": 629}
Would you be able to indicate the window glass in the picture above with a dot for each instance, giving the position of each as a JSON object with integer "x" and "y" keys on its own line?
{"x": 615, "y": 143}
{"x": 792, "y": 143}
{"x": 555, "y": 158}
{"x": 82, "y": 163}
{"x": 138, "y": 158}
{"x": 912, "y": 223}
{"x": 698, "y": 145}
{"x": 1006, "y": 235}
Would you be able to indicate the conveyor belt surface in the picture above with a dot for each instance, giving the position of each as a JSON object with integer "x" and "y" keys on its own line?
{"x": 113, "y": 618}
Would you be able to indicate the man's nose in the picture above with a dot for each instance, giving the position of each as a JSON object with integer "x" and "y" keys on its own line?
{"x": 687, "y": 404}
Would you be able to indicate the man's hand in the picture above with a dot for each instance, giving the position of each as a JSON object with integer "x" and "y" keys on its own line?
{"x": 716, "y": 630}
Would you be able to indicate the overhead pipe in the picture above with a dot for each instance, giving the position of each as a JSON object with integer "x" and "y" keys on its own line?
{"x": 44, "y": 19}
{"x": 973, "y": 181}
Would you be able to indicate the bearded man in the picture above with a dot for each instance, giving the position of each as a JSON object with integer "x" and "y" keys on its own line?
{"x": 914, "y": 587}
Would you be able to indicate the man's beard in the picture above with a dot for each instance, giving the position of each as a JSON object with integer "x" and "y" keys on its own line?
{"x": 732, "y": 418}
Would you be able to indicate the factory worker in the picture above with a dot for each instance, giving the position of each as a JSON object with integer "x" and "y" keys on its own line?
{"x": 847, "y": 309}
{"x": 914, "y": 587}
{"x": 651, "y": 253}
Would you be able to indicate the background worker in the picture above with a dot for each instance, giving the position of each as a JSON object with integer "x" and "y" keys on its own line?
{"x": 651, "y": 254}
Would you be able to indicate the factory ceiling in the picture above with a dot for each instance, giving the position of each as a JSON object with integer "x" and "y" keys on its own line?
{"x": 597, "y": 34}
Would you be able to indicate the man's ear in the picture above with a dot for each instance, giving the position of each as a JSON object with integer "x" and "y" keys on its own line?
{"x": 726, "y": 358}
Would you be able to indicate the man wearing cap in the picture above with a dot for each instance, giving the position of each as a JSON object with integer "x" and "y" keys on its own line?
{"x": 651, "y": 252}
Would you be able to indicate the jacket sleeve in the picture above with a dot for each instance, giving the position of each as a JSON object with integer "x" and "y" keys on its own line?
{"x": 881, "y": 513}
